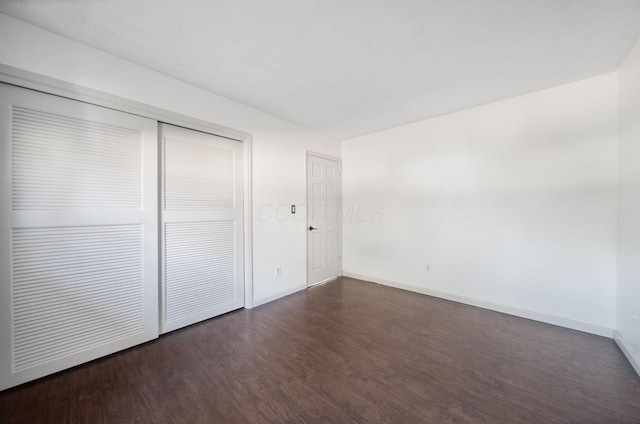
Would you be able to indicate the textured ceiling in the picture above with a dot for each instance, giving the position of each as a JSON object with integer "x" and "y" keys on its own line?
{"x": 350, "y": 67}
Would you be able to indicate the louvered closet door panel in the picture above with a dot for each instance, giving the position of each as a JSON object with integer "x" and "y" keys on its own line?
{"x": 78, "y": 233}
{"x": 202, "y": 227}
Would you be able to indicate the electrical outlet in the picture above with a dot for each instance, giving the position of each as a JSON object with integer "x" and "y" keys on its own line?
{"x": 427, "y": 268}
{"x": 635, "y": 318}
{"x": 278, "y": 271}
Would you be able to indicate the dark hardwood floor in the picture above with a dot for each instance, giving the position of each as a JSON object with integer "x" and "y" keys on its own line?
{"x": 346, "y": 352}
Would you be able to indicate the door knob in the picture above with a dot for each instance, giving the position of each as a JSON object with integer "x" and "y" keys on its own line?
{"x": 312, "y": 228}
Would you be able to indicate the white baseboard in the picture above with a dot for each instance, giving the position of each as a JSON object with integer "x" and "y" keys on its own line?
{"x": 319, "y": 283}
{"x": 536, "y": 316}
{"x": 635, "y": 362}
{"x": 277, "y": 296}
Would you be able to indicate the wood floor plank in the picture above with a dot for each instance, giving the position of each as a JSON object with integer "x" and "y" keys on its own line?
{"x": 346, "y": 352}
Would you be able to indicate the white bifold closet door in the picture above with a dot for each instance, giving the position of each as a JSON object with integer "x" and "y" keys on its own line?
{"x": 78, "y": 233}
{"x": 201, "y": 226}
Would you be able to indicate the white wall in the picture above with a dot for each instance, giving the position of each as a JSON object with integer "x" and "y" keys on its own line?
{"x": 628, "y": 307}
{"x": 278, "y": 146}
{"x": 513, "y": 205}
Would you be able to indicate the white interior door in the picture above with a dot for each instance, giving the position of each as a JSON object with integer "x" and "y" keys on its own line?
{"x": 201, "y": 226}
{"x": 78, "y": 233}
{"x": 323, "y": 219}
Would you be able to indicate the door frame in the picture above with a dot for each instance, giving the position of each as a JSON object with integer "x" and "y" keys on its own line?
{"x": 33, "y": 81}
{"x": 338, "y": 160}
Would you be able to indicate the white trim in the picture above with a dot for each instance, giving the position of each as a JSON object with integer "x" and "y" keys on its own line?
{"x": 277, "y": 296}
{"x": 319, "y": 283}
{"x": 523, "y": 313}
{"x": 635, "y": 362}
{"x": 322, "y": 156}
{"x": 33, "y": 81}
{"x": 248, "y": 222}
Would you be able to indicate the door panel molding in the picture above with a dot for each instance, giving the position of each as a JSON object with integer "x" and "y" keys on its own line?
{"x": 324, "y": 218}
